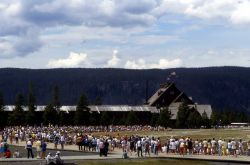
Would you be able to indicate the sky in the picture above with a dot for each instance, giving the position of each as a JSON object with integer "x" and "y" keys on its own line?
{"x": 132, "y": 34}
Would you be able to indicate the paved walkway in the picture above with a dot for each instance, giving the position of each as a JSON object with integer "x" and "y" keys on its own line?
{"x": 240, "y": 159}
{"x": 117, "y": 154}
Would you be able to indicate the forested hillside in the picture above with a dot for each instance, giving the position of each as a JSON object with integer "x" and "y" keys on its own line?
{"x": 222, "y": 87}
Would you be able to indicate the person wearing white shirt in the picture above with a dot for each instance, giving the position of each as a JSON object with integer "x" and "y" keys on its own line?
{"x": 97, "y": 145}
{"x": 58, "y": 159}
{"x": 213, "y": 144}
{"x": 220, "y": 142}
{"x": 233, "y": 144}
{"x": 62, "y": 142}
{"x": 49, "y": 159}
{"x": 229, "y": 147}
{"x": 177, "y": 144}
{"x": 156, "y": 146}
{"x": 173, "y": 144}
{"x": 139, "y": 147}
{"x": 29, "y": 149}
{"x": 196, "y": 146}
{"x": 248, "y": 148}
{"x": 240, "y": 145}
{"x": 123, "y": 143}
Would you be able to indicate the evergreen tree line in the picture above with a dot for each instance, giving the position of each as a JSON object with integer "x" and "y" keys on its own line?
{"x": 186, "y": 117}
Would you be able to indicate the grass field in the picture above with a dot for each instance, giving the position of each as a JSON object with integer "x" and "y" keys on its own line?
{"x": 237, "y": 133}
{"x": 145, "y": 162}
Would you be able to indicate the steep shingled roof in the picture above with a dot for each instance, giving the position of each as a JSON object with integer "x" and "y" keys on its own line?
{"x": 159, "y": 93}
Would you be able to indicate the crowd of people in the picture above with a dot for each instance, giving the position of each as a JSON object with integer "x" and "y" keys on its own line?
{"x": 38, "y": 137}
{"x": 65, "y": 135}
{"x": 83, "y": 137}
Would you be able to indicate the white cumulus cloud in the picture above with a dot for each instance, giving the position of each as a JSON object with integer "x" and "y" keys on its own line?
{"x": 162, "y": 64}
{"x": 140, "y": 64}
{"x": 73, "y": 60}
{"x": 242, "y": 13}
{"x": 114, "y": 61}
{"x": 232, "y": 11}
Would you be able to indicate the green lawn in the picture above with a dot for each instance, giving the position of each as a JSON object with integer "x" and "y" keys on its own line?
{"x": 236, "y": 133}
{"x": 144, "y": 162}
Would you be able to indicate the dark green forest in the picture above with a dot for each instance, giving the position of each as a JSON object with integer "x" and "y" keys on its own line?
{"x": 225, "y": 88}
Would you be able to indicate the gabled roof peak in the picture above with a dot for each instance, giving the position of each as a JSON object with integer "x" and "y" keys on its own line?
{"x": 166, "y": 85}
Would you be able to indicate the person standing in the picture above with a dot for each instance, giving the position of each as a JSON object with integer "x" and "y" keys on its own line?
{"x": 139, "y": 147}
{"x": 106, "y": 148}
{"x": 101, "y": 147}
{"x": 213, "y": 144}
{"x": 229, "y": 147}
{"x": 220, "y": 143}
{"x": 156, "y": 143}
{"x": 190, "y": 146}
{"x": 233, "y": 147}
{"x": 147, "y": 148}
{"x": 44, "y": 148}
{"x": 1, "y": 149}
{"x": 56, "y": 141}
{"x": 38, "y": 149}
{"x": 205, "y": 146}
{"x": 224, "y": 147}
{"x": 248, "y": 148}
{"x": 182, "y": 147}
{"x": 16, "y": 137}
{"x": 123, "y": 143}
{"x": 240, "y": 146}
{"x": 29, "y": 149}
{"x": 79, "y": 141}
{"x": 11, "y": 135}
{"x": 62, "y": 142}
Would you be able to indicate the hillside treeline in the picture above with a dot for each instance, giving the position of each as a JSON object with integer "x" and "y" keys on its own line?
{"x": 225, "y": 88}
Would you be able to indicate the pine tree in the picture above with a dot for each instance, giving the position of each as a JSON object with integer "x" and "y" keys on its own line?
{"x": 182, "y": 115}
{"x": 56, "y": 101}
{"x": 164, "y": 117}
{"x": 94, "y": 118}
{"x": 154, "y": 119}
{"x": 16, "y": 117}
{"x": 105, "y": 119}
{"x": 82, "y": 113}
{"x": 30, "y": 115}
{"x": 132, "y": 118}
{"x": 194, "y": 119}
{"x": 214, "y": 119}
{"x": 98, "y": 101}
{"x": 242, "y": 117}
{"x": 53, "y": 109}
{"x": 205, "y": 120}
{"x": 224, "y": 117}
{"x": 50, "y": 115}
{"x": 62, "y": 118}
